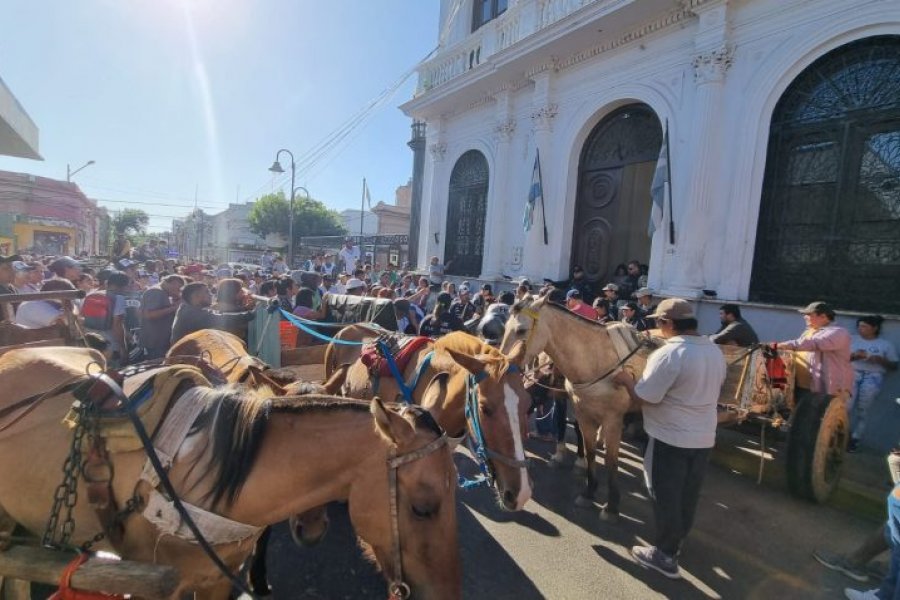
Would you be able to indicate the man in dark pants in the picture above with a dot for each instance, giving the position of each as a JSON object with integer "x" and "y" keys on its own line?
{"x": 678, "y": 393}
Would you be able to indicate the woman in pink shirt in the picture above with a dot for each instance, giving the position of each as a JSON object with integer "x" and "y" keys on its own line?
{"x": 577, "y": 305}
{"x": 824, "y": 348}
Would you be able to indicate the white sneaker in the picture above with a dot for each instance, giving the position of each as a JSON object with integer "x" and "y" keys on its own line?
{"x": 860, "y": 595}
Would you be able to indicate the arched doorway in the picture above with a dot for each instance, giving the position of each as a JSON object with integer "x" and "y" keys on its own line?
{"x": 829, "y": 221}
{"x": 466, "y": 210}
{"x": 612, "y": 209}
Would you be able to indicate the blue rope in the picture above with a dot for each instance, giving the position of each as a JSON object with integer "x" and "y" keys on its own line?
{"x": 477, "y": 444}
{"x": 301, "y": 324}
{"x": 395, "y": 371}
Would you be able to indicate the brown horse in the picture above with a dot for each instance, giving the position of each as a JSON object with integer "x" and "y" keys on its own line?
{"x": 228, "y": 354}
{"x": 588, "y": 354}
{"x": 253, "y": 461}
{"x": 457, "y": 358}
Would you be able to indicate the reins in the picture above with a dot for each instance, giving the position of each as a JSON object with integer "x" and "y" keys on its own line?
{"x": 398, "y": 589}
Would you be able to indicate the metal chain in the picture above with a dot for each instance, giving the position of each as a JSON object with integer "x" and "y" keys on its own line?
{"x": 67, "y": 491}
{"x": 132, "y": 505}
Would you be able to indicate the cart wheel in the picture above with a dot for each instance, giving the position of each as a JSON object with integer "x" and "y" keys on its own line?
{"x": 816, "y": 444}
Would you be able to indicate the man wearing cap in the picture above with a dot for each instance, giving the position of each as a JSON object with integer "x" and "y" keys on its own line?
{"x": 7, "y": 276}
{"x": 355, "y": 287}
{"x": 66, "y": 267}
{"x": 462, "y": 308}
{"x": 822, "y": 360}
{"x": 645, "y": 304}
{"x": 678, "y": 393}
{"x": 24, "y": 274}
{"x": 441, "y": 321}
{"x": 576, "y": 304}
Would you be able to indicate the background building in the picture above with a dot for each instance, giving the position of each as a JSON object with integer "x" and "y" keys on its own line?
{"x": 350, "y": 221}
{"x": 46, "y": 216}
{"x": 18, "y": 133}
{"x": 783, "y": 121}
{"x": 231, "y": 239}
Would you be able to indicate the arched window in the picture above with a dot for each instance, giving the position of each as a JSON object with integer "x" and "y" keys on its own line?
{"x": 466, "y": 210}
{"x": 829, "y": 223}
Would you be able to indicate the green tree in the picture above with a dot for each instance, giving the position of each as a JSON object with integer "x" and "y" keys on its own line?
{"x": 130, "y": 220}
{"x": 270, "y": 215}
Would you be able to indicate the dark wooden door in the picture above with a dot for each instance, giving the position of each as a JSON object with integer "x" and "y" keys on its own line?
{"x": 612, "y": 207}
{"x": 466, "y": 212}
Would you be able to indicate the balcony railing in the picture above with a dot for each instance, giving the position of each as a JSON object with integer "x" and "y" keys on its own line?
{"x": 522, "y": 19}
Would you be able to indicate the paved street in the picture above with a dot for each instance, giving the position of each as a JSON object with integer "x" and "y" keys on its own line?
{"x": 749, "y": 542}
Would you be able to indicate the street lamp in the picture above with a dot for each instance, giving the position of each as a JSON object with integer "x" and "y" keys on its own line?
{"x": 276, "y": 168}
{"x": 70, "y": 172}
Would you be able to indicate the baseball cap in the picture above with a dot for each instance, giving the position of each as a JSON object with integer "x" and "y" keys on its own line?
{"x": 673, "y": 309}
{"x": 573, "y": 294}
{"x": 487, "y": 287}
{"x": 610, "y": 286}
{"x": 18, "y": 265}
{"x": 122, "y": 264}
{"x": 463, "y": 289}
{"x": 818, "y": 307}
{"x": 644, "y": 291}
{"x": 64, "y": 262}
{"x": 444, "y": 298}
{"x": 354, "y": 283}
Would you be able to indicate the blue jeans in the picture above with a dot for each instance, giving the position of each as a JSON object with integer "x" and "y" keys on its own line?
{"x": 866, "y": 386}
{"x": 889, "y": 589}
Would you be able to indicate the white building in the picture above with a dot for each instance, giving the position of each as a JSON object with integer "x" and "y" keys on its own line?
{"x": 350, "y": 219}
{"x": 784, "y": 124}
{"x": 231, "y": 239}
{"x": 18, "y": 133}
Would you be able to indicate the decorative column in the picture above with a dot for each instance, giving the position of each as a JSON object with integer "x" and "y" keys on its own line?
{"x": 537, "y": 255}
{"x": 499, "y": 199}
{"x": 693, "y": 229}
{"x": 417, "y": 144}
{"x": 432, "y": 230}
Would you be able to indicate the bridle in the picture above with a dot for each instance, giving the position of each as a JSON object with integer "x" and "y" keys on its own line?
{"x": 534, "y": 316}
{"x": 477, "y": 444}
{"x": 398, "y": 589}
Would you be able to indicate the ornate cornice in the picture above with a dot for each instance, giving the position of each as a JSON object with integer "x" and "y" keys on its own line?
{"x": 710, "y": 67}
{"x": 504, "y": 130}
{"x": 542, "y": 118}
{"x": 438, "y": 151}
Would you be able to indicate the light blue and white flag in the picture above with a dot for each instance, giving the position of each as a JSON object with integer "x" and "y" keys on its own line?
{"x": 658, "y": 187}
{"x": 535, "y": 193}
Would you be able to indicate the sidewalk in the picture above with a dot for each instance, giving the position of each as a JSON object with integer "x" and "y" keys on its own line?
{"x": 864, "y": 484}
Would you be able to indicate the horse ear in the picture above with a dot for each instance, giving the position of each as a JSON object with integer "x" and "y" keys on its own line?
{"x": 391, "y": 425}
{"x": 472, "y": 364}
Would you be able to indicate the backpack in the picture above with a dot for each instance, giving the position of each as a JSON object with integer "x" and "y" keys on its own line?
{"x": 97, "y": 310}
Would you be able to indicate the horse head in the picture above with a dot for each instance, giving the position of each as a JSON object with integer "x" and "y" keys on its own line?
{"x": 487, "y": 379}
{"x": 424, "y": 508}
{"x": 525, "y": 337}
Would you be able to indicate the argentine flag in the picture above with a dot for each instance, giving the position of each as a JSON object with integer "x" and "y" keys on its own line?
{"x": 535, "y": 192}
{"x": 658, "y": 187}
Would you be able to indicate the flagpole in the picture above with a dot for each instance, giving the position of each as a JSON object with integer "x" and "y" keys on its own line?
{"x": 362, "y": 211}
{"x": 669, "y": 177}
{"x": 543, "y": 208}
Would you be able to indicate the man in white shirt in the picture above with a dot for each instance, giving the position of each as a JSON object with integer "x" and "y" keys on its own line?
{"x": 349, "y": 255}
{"x": 678, "y": 394}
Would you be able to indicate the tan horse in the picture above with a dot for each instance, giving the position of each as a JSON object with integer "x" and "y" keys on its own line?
{"x": 228, "y": 353}
{"x": 256, "y": 462}
{"x": 588, "y": 354}
{"x": 502, "y": 401}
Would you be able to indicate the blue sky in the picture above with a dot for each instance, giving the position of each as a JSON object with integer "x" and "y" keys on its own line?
{"x": 173, "y": 96}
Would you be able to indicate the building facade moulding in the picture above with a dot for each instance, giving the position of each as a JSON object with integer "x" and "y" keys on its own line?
{"x": 504, "y": 130}
{"x": 542, "y": 118}
{"x": 438, "y": 151}
{"x": 711, "y": 67}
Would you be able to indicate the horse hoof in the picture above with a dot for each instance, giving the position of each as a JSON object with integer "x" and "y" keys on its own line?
{"x": 609, "y": 517}
{"x": 584, "y": 502}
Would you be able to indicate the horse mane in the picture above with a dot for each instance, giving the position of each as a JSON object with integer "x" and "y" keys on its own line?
{"x": 236, "y": 419}
{"x": 496, "y": 363}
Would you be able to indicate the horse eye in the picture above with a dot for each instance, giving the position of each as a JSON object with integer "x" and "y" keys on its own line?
{"x": 521, "y": 331}
{"x": 423, "y": 512}
{"x": 487, "y": 410}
